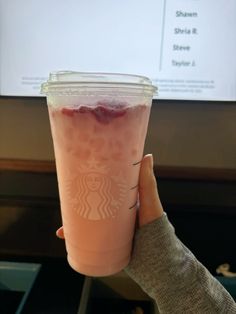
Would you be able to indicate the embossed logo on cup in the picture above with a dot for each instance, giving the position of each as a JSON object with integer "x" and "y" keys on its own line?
{"x": 97, "y": 195}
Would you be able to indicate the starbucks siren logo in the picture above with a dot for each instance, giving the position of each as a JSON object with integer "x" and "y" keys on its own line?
{"x": 96, "y": 192}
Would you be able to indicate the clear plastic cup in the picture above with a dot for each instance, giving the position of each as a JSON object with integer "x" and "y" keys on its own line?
{"x": 99, "y": 123}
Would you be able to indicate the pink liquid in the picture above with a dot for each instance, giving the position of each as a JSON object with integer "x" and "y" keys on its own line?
{"x": 98, "y": 152}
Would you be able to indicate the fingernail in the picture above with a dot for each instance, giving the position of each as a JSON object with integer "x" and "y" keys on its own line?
{"x": 150, "y": 162}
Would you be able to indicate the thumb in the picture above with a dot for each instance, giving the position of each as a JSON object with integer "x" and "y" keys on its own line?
{"x": 150, "y": 204}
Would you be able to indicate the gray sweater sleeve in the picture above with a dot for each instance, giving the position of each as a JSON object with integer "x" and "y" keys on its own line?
{"x": 169, "y": 273}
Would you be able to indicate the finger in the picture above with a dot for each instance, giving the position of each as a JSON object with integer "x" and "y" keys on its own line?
{"x": 60, "y": 233}
{"x": 150, "y": 205}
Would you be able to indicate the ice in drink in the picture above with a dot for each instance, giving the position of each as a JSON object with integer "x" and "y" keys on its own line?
{"x": 98, "y": 151}
{"x": 99, "y": 123}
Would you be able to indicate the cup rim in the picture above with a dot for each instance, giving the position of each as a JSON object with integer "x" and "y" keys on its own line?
{"x": 67, "y": 82}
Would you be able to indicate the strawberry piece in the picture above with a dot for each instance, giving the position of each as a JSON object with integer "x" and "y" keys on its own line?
{"x": 68, "y": 112}
{"x": 104, "y": 112}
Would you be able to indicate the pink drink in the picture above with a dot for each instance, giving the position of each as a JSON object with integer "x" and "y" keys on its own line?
{"x": 99, "y": 124}
{"x": 98, "y": 152}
